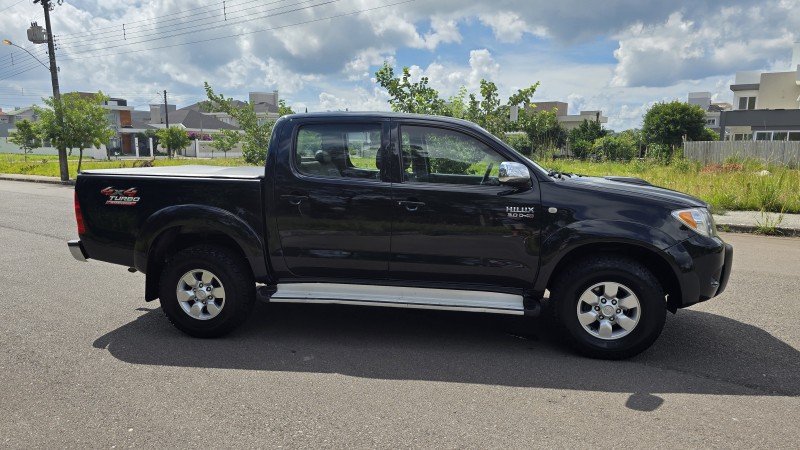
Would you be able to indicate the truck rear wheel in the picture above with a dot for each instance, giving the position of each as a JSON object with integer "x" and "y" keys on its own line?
{"x": 206, "y": 291}
{"x": 609, "y": 307}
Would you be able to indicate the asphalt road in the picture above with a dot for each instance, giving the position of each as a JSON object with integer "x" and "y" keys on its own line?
{"x": 86, "y": 363}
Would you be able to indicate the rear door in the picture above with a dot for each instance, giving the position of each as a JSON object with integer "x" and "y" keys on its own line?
{"x": 454, "y": 223}
{"x": 333, "y": 201}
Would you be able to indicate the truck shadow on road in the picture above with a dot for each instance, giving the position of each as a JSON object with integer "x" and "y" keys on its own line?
{"x": 698, "y": 353}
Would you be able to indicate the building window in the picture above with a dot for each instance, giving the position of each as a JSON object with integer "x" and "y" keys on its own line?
{"x": 763, "y": 135}
{"x": 747, "y": 103}
{"x": 711, "y": 122}
{"x": 778, "y": 136}
{"x": 742, "y": 137}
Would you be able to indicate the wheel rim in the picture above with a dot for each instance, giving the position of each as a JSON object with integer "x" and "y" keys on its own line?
{"x": 608, "y": 310}
{"x": 200, "y": 294}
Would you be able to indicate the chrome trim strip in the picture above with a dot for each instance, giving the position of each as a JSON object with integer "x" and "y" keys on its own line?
{"x": 399, "y": 297}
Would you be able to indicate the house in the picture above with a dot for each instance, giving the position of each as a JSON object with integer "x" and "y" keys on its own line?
{"x": 4, "y": 117}
{"x": 265, "y": 105}
{"x": 562, "y": 114}
{"x": 713, "y": 109}
{"x": 766, "y": 105}
{"x": 19, "y": 114}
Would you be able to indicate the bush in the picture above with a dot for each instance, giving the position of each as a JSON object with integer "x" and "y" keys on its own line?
{"x": 519, "y": 142}
{"x": 581, "y": 149}
{"x": 615, "y": 148}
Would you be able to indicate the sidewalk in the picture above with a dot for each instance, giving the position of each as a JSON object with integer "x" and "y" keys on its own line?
{"x": 735, "y": 221}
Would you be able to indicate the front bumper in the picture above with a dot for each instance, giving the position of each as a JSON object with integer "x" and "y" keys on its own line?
{"x": 704, "y": 268}
{"x": 76, "y": 248}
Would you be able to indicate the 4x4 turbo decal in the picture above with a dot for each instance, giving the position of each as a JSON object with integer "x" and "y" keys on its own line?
{"x": 123, "y": 197}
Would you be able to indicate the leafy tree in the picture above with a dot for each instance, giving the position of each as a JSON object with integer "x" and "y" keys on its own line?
{"x": 709, "y": 135}
{"x": 587, "y": 131}
{"x": 225, "y": 140}
{"x": 83, "y": 122}
{"x": 284, "y": 110}
{"x": 25, "y": 137}
{"x": 174, "y": 138}
{"x": 256, "y": 132}
{"x": 582, "y": 137}
{"x": 519, "y": 142}
{"x": 619, "y": 147}
{"x": 667, "y": 124}
{"x": 484, "y": 109}
{"x": 409, "y": 97}
{"x": 544, "y": 131}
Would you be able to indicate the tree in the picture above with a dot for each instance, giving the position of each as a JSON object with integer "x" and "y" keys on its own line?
{"x": 545, "y": 133}
{"x": 174, "y": 138}
{"x": 25, "y": 137}
{"x": 620, "y": 147}
{"x": 484, "y": 109}
{"x": 83, "y": 122}
{"x": 256, "y": 132}
{"x": 668, "y": 124}
{"x": 225, "y": 140}
{"x": 408, "y": 97}
{"x": 582, "y": 137}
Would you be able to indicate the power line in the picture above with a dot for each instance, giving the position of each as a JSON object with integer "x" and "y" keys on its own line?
{"x": 193, "y": 27}
{"x": 279, "y": 27}
{"x": 9, "y": 7}
{"x": 20, "y": 71}
{"x": 118, "y": 28}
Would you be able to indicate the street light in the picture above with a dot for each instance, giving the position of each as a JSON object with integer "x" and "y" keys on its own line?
{"x": 7, "y": 42}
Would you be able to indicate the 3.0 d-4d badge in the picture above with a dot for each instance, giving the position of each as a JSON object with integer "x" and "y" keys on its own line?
{"x": 520, "y": 212}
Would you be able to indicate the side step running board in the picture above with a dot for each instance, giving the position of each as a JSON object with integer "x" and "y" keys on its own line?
{"x": 398, "y": 297}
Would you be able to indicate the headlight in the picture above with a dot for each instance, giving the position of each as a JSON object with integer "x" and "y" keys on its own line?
{"x": 698, "y": 219}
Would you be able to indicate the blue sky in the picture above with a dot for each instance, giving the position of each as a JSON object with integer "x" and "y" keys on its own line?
{"x": 618, "y": 56}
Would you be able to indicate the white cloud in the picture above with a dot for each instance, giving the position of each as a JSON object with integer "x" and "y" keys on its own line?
{"x": 508, "y": 26}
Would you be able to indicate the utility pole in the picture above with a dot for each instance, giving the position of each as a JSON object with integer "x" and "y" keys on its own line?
{"x": 51, "y": 51}
{"x": 166, "y": 119}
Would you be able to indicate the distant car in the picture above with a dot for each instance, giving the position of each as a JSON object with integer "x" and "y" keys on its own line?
{"x": 401, "y": 210}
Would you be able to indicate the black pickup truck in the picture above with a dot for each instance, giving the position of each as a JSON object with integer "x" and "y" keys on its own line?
{"x": 408, "y": 211}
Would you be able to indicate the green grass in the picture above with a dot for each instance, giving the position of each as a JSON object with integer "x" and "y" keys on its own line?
{"x": 728, "y": 187}
{"x": 725, "y": 187}
{"x": 46, "y": 165}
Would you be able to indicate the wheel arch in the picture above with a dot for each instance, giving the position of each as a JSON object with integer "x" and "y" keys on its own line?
{"x": 572, "y": 244}
{"x": 172, "y": 229}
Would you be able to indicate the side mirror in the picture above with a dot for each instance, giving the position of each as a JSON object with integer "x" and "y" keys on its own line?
{"x": 514, "y": 175}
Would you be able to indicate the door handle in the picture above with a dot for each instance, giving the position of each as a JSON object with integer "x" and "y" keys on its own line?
{"x": 411, "y": 205}
{"x": 295, "y": 199}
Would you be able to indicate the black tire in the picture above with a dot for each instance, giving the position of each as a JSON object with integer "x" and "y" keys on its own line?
{"x": 627, "y": 277}
{"x": 229, "y": 277}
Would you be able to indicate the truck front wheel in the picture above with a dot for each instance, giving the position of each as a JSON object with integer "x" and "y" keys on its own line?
{"x": 609, "y": 307}
{"x": 206, "y": 291}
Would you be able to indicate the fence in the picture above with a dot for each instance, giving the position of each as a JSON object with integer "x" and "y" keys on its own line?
{"x": 717, "y": 152}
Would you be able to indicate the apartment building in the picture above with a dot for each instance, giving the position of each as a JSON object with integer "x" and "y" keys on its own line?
{"x": 766, "y": 105}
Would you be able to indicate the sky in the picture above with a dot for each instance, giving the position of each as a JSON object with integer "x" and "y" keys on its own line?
{"x": 617, "y": 56}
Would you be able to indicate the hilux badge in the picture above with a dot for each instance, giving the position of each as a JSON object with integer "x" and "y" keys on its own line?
{"x": 520, "y": 212}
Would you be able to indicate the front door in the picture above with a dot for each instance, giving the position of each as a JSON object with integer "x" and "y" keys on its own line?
{"x": 454, "y": 223}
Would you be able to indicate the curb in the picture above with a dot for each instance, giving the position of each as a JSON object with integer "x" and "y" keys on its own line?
{"x": 37, "y": 179}
{"x": 752, "y": 229}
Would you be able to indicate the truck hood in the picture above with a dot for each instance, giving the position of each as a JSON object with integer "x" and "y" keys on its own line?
{"x": 633, "y": 187}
